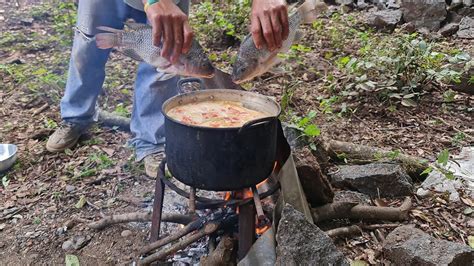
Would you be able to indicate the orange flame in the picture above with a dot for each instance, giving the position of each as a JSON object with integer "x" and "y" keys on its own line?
{"x": 263, "y": 229}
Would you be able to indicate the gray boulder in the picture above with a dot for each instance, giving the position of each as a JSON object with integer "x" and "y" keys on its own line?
{"x": 407, "y": 245}
{"x": 384, "y": 179}
{"x": 385, "y": 19}
{"x": 303, "y": 243}
{"x": 449, "y": 29}
{"x": 466, "y": 28}
{"x": 424, "y": 13}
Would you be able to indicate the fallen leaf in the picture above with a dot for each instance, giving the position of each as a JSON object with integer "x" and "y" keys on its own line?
{"x": 359, "y": 263}
{"x": 470, "y": 239}
{"x": 72, "y": 260}
{"x": 421, "y": 215}
{"x": 468, "y": 202}
{"x": 82, "y": 201}
{"x": 468, "y": 211}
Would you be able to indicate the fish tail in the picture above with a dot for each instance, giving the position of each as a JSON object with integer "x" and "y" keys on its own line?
{"x": 112, "y": 38}
{"x": 310, "y": 10}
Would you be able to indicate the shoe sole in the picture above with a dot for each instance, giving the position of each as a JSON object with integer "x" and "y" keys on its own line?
{"x": 51, "y": 149}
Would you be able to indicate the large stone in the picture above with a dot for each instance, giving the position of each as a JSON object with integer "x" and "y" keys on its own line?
{"x": 407, "y": 245}
{"x": 375, "y": 179}
{"x": 424, "y": 13}
{"x": 300, "y": 242}
{"x": 351, "y": 196}
{"x": 466, "y": 28}
{"x": 384, "y": 19}
{"x": 449, "y": 29}
{"x": 315, "y": 184}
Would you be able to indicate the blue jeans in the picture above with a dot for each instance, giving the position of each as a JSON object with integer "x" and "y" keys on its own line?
{"x": 87, "y": 73}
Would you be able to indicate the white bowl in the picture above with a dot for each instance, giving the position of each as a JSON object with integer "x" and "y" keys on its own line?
{"x": 7, "y": 156}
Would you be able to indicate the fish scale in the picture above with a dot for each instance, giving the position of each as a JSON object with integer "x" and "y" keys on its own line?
{"x": 136, "y": 42}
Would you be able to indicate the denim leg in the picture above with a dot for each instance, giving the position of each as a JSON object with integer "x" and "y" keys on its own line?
{"x": 87, "y": 64}
{"x": 152, "y": 89}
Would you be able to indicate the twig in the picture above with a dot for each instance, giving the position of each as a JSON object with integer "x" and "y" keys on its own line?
{"x": 10, "y": 215}
{"x": 192, "y": 201}
{"x": 378, "y": 226}
{"x": 208, "y": 229}
{"x": 193, "y": 226}
{"x": 41, "y": 109}
{"x": 344, "y": 231}
{"x": 222, "y": 255}
{"x": 138, "y": 217}
{"x": 114, "y": 120}
{"x": 258, "y": 204}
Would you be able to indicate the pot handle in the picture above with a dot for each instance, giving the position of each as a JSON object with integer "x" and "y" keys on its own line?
{"x": 250, "y": 124}
{"x": 181, "y": 82}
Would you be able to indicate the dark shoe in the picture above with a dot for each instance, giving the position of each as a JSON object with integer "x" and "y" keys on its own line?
{"x": 64, "y": 137}
{"x": 152, "y": 163}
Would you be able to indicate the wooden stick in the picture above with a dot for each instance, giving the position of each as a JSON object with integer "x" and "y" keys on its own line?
{"x": 114, "y": 120}
{"x": 41, "y": 109}
{"x": 258, "y": 204}
{"x": 344, "y": 231}
{"x": 222, "y": 255}
{"x": 164, "y": 241}
{"x": 139, "y": 217}
{"x": 192, "y": 201}
{"x": 378, "y": 226}
{"x": 352, "y": 210}
{"x": 208, "y": 229}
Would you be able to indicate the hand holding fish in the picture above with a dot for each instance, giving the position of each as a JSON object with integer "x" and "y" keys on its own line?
{"x": 269, "y": 23}
{"x": 171, "y": 26}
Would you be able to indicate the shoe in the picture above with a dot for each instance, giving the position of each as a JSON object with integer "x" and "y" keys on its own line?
{"x": 152, "y": 163}
{"x": 64, "y": 137}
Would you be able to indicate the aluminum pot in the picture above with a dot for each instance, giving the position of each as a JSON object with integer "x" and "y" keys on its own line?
{"x": 222, "y": 159}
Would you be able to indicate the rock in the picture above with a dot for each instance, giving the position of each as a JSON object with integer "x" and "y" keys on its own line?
{"x": 126, "y": 233}
{"x": 384, "y": 19}
{"x": 70, "y": 188}
{"x": 300, "y": 242}
{"x": 424, "y": 13}
{"x": 407, "y": 245}
{"x": 76, "y": 243}
{"x": 26, "y": 21}
{"x": 466, "y": 28}
{"x": 449, "y": 29}
{"x": 466, "y": 12}
{"x": 462, "y": 167}
{"x": 295, "y": 137}
{"x": 345, "y": 2}
{"x": 351, "y": 196}
{"x": 315, "y": 184}
{"x": 68, "y": 245}
{"x": 423, "y": 193}
{"x": 384, "y": 179}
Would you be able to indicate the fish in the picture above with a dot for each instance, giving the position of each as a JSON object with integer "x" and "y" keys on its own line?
{"x": 252, "y": 62}
{"x": 136, "y": 42}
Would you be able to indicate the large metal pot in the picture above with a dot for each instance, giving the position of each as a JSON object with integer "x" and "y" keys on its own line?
{"x": 222, "y": 158}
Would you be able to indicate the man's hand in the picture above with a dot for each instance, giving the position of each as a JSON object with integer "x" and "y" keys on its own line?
{"x": 171, "y": 24}
{"x": 269, "y": 23}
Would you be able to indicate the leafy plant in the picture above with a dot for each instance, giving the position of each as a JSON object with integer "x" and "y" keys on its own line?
{"x": 306, "y": 126}
{"x": 458, "y": 138}
{"x": 217, "y": 22}
{"x": 441, "y": 165}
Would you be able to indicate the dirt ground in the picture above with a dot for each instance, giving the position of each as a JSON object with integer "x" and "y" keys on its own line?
{"x": 41, "y": 193}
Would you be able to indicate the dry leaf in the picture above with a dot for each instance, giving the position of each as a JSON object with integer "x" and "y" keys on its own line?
{"x": 81, "y": 202}
{"x": 468, "y": 202}
{"x": 421, "y": 215}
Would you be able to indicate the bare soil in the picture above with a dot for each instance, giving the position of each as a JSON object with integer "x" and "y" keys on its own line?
{"x": 43, "y": 188}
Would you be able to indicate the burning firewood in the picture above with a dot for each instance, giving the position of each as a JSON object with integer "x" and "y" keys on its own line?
{"x": 224, "y": 254}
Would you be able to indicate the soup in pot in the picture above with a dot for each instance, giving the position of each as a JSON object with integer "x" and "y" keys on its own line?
{"x": 216, "y": 114}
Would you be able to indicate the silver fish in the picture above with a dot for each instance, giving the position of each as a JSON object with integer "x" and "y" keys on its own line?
{"x": 252, "y": 62}
{"x": 136, "y": 42}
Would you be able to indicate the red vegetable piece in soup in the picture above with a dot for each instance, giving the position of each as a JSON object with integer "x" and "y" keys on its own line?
{"x": 215, "y": 114}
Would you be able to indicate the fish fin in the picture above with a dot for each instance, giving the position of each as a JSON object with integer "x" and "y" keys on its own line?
{"x": 107, "y": 40}
{"x": 310, "y": 10}
{"x": 109, "y": 29}
{"x": 136, "y": 26}
{"x": 132, "y": 54}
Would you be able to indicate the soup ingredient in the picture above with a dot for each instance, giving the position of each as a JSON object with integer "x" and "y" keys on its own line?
{"x": 136, "y": 42}
{"x": 252, "y": 62}
{"x": 215, "y": 114}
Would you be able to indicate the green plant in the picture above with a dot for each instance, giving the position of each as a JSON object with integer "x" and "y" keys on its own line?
{"x": 458, "y": 138}
{"x": 37, "y": 220}
{"x": 50, "y": 123}
{"x": 441, "y": 165}
{"x": 217, "y": 21}
{"x": 5, "y": 181}
{"x": 121, "y": 110}
{"x": 306, "y": 126}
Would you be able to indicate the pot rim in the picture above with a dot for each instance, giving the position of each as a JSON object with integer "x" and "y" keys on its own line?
{"x": 167, "y": 102}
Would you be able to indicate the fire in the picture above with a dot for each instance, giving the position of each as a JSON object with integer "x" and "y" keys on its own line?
{"x": 227, "y": 195}
{"x": 261, "y": 230}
